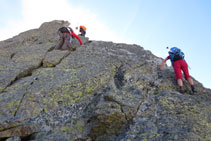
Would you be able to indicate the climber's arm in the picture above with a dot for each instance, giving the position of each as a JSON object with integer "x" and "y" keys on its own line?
{"x": 163, "y": 62}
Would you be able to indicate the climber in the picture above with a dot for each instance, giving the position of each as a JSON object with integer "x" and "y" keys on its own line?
{"x": 177, "y": 59}
{"x": 66, "y": 34}
{"x": 82, "y": 30}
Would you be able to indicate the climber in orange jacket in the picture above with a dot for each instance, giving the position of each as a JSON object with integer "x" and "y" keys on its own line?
{"x": 66, "y": 36}
{"x": 82, "y": 30}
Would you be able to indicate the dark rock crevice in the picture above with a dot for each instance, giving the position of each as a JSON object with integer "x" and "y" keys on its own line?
{"x": 12, "y": 55}
{"x": 18, "y": 106}
{"x": 24, "y": 73}
{"x": 21, "y": 75}
{"x": 50, "y": 49}
{"x": 3, "y": 139}
{"x": 119, "y": 77}
{"x": 28, "y": 137}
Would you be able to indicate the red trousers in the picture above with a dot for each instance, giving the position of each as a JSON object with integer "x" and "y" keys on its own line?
{"x": 179, "y": 66}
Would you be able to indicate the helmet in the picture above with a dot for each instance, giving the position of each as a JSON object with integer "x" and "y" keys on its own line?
{"x": 83, "y": 27}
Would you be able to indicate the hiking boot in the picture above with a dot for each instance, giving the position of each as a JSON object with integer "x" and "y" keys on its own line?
{"x": 193, "y": 89}
{"x": 181, "y": 90}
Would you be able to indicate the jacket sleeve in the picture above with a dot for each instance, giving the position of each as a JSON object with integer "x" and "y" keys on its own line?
{"x": 77, "y": 37}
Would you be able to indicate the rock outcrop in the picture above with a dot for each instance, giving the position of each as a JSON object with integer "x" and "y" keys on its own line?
{"x": 101, "y": 91}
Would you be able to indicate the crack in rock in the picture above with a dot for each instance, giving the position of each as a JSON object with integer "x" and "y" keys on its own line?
{"x": 26, "y": 72}
{"x": 108, "y": 98}
{"x": 119, "y": 77}
{"x": 12, "y": 55}
{"x": 19, "y": 105}
{"x": 65, "y": 56}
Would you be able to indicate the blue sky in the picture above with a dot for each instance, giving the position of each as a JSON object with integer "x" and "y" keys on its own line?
{"x": 153, "y": 24}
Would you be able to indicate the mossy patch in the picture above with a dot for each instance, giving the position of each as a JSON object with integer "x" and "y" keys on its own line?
{"x": 108, "y": 125}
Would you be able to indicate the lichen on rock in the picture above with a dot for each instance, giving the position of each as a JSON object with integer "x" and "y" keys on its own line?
{"x": 100, "y": 91}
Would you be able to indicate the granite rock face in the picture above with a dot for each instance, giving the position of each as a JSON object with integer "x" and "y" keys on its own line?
{"x": 101, "y": 91}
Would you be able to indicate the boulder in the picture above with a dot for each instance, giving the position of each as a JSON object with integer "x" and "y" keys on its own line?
{"x": 100, "y": 91}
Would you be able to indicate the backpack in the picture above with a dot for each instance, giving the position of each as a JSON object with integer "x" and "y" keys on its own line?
{"x": 64, "y": 30}
{"x": 176, "y": 54}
